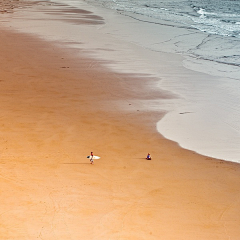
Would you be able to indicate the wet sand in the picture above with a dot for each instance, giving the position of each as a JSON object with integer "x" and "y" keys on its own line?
{"x": 55, "y": 110}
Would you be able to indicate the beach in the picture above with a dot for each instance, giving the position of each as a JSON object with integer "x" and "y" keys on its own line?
{"x": 200, "y": 71}
{"x": 58, "y": 106}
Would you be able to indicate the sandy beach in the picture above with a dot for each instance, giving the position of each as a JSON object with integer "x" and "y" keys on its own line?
{"x": 55, "y": 110}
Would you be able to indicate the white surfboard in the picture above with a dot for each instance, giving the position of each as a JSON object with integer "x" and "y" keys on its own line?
{"x": 94, "y": 157}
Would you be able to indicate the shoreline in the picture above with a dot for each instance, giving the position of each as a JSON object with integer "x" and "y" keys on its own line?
{"x": 55, "y": 110}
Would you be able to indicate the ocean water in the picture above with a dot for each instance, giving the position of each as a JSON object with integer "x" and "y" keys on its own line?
{"x": 220, "y": 17}
{"x": 216, "y": 18}
{"x": 138, "y": 36}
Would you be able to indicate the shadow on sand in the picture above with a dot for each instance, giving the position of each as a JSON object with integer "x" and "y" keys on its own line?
{"x": 75, "y": 163}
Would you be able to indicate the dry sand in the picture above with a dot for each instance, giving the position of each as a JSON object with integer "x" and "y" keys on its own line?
{"x": 55, "y": 110}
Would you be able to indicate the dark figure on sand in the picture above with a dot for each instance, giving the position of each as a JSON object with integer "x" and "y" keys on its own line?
{"x": 91, "y": 158}
{"x": 148, "y": 157}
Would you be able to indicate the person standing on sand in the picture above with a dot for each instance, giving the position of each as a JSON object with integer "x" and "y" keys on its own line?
{"x": 91, "y": 158}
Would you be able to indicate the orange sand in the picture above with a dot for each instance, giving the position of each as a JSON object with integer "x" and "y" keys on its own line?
{"x": 55, "y": 110}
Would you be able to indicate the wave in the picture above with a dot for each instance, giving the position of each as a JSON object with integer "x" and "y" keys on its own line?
{"x": 188, "y": 14}
{"x": 216, "y": 26}
{"x": 223, "y": 29}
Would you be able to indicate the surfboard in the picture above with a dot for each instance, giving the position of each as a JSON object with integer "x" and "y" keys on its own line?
{"x": 94, "y": 157}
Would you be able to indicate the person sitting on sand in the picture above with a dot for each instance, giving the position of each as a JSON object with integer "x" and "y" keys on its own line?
{"x": 148, "y": 157}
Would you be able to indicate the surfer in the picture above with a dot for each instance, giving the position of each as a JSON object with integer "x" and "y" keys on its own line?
{"x": 91, "y": 158}
{"x": 148, "y": 157}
